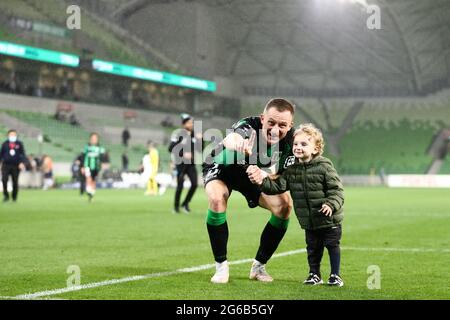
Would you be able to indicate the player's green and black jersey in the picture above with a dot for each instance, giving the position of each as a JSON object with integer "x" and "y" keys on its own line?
{"x": 92, "y": 154}
{"x": 278, "y": 156}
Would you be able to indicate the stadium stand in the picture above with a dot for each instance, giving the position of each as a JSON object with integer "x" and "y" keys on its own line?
{"x": 100, "y": 40}
{"x": 369, "y": 136}
{"x": 64, "y": 141}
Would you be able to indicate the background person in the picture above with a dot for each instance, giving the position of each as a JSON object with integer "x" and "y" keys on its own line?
{"x": 92, "y": 155}
{"x": 182, "y": 146}
{"x": 150, "y": 164}
{"x": 12, "y": 160}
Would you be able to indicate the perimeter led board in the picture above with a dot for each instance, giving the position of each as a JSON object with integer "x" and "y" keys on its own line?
{"x": 38, "y": 54}
{"x": 153, "y": 75}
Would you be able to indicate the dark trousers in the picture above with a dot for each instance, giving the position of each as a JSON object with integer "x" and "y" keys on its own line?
{"x": 13, "y": 171}
{"x": 316, "y": 241}
{"x": 82, "y": 180}
{"x": 191, "y": 172}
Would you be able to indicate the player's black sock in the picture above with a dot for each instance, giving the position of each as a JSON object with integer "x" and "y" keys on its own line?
{"x": 335, "y": 259}
{"x": 271, "y": 238}
{"x": 218, "y": 234}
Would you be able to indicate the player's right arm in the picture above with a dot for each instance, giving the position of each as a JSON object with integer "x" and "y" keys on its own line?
{"x": 234, "y": 141}
{"x": 235, "y": 148}
{"x": 175, "y": 139}
{"x": 2, "y": 151}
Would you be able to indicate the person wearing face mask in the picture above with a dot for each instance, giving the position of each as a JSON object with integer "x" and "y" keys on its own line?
{"x": 12, "y": 159}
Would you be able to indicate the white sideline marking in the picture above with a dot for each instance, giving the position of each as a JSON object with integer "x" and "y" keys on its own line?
{"x": 194, "y": 269}
{"x": 397, "y": 249}
{"x": 142, "y": 277}
{"x": 15, "y": 298}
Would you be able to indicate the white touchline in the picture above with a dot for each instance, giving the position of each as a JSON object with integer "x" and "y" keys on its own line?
{"x": 194, "y": 269}
{"x": 141, "y": 277}
{"x": 15, "y": 298}
{"x": 411, "y": 250}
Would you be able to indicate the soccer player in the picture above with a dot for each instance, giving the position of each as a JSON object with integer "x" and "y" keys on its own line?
{"x": 12, "y": 160}
{"x": 267, "y": 137}
{"x": 182, "y": 146}
{"x": 150, "y": 163}
{"x": 92, "y": 164}
{"x": 318, "y": 198}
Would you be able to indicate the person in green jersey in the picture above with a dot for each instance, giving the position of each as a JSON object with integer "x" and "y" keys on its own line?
{"x": 92, "y": 163}
{"x": 266, "y": 141}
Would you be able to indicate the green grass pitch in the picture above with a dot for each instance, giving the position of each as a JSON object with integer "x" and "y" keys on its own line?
{"x": 124, "y": 233}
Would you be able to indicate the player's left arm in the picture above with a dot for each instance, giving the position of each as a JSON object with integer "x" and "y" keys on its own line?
{"x": 22, "y": 156}
{"x": 334, "y": 191}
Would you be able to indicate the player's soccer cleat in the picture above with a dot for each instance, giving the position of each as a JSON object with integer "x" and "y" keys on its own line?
{"x": 222, "y": 273}
{"x": 186, "y": 208}
{"x": 335, "y": 281}
{"x": 258, "y": 272}
{"x": 5, "y": 199}
{"x": 313, "y": 279}
{"x": 176, "y": 211}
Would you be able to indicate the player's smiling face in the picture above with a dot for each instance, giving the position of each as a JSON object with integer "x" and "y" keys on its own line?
{"x": 275, "y": 124}
{"x": 304, "y": 147}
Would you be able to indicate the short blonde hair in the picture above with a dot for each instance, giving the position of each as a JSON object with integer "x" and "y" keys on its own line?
{"x": 281, "y": 105}
{"x": 315, "y": 133}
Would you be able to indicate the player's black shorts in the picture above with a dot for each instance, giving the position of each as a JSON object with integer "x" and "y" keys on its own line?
{"x": 235, "y": 178}
{"x": 94, "y": 173}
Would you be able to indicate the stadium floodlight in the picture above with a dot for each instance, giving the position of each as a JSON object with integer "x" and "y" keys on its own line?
{"x": 360, "y": 2}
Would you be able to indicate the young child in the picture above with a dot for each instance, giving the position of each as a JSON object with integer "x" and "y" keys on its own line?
{"x": 318, "y": 197}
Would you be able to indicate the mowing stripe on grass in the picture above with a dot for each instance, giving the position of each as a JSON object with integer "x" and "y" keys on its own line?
{"x": 199, "y": 268}
{"x": 141, "y": 277}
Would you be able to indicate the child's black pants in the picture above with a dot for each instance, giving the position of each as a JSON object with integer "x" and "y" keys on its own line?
{"x": 316, "y": 241}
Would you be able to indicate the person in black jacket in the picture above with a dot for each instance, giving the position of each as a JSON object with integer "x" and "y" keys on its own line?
{"x": 125, "y": 137}
{"x": 182, "y": 146}
{"x": 318, "y": 198}
{"x": 12, "y": 159}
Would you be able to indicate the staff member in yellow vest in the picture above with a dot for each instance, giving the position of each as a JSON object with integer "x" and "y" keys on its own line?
{"x": 150, "y": 163}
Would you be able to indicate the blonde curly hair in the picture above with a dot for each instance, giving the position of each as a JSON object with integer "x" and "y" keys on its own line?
{"x": 315, "y": 133}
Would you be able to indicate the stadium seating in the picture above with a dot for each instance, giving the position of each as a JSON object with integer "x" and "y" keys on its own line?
{"x": 390, "y": 135}
{"x": 106, "y": 44}
{"x": 64, "y": 141}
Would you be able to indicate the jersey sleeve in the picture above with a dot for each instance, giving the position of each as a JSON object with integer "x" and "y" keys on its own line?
{"x": 244, "y": 127}
{"x": 85, "y": 157}
{"x": 175, "y": 139}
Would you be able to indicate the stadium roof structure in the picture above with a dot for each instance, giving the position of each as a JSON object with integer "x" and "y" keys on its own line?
{"x": 325, "y": 46}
